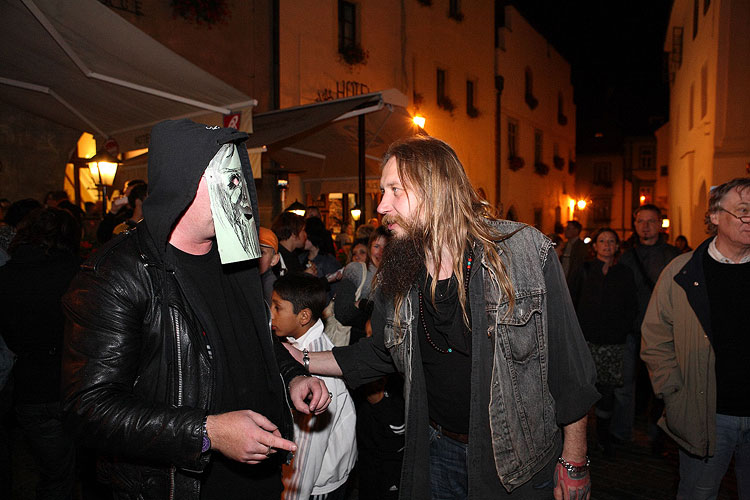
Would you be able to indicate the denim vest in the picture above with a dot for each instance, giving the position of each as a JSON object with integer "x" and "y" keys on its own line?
{"x": 524, "y": 432}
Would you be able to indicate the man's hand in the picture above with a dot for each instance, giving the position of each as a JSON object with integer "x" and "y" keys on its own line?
{"x": 309, "y": 394}
{"x": 245, "y": 436}
{"x": 571, "y": 485}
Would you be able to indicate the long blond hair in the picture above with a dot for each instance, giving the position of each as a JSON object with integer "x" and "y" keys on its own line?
{"x": 451, "y": 213}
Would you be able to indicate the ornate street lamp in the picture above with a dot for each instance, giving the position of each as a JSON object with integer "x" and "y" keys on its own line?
{"x": 103, "y": 168}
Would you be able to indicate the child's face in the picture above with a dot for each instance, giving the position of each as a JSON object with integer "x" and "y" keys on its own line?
{"x": 284, "y": 322}
{"x": 268, "y": 259}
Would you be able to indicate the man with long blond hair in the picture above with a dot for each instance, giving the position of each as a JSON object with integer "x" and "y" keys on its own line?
{"x": 475, "y": 313}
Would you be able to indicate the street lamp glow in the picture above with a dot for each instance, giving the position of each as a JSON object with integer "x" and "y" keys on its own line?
{"x": 665, "y": 223}
{"x": 643, "y": 199}
{"x": 419, "y": 121}
{"x": 581, "y": 204}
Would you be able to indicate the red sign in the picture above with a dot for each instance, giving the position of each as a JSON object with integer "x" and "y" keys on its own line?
{"x": 112, "y": 147}
{"x": 232, "y": 120}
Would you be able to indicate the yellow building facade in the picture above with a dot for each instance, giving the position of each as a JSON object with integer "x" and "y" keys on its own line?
{"x": 708, "y": 137}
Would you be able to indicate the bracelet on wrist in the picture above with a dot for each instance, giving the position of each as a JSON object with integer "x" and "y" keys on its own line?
{"x": 206, "y": 445}
{"x": 573, "y": 469}
{"x": 306, "y": 360}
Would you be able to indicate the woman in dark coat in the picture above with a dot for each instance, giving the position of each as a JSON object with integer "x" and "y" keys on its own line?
{"x": 605, "y": 298}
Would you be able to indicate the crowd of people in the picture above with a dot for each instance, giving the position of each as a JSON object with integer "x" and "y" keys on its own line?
{"x": 438, "y": 353}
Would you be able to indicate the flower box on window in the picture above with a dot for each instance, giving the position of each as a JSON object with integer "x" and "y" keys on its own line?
{"x": 516, "y": 163}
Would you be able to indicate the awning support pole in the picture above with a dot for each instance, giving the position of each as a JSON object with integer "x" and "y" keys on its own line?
{"x": 361, "y": 164}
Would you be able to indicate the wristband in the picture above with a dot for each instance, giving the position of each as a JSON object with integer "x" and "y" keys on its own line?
{"x": 306, "y": 360}
{"x": 206, "y": 440}
{"x": 575, "y": 469}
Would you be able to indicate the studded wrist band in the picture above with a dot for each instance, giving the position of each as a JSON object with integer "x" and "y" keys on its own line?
{"x": 306, "y": 359}
{"x": 575, "y": 468}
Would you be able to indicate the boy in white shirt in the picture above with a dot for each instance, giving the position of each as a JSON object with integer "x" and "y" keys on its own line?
{"x": 327, "y": 446}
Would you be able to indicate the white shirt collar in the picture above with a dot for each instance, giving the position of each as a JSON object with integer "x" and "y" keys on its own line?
{"x": 719, "y": 257}
{"x": 314, "y": 332}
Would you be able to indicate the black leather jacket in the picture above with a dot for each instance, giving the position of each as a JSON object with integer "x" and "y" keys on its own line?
{"x": 138, "y": 387}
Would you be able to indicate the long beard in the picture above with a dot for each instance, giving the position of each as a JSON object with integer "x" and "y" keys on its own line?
{"x": 402, "y": 261}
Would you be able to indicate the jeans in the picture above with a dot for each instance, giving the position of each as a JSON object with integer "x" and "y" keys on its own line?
{"x": 700, "y": 478}
{"x": 449, "y": 477}
{"x": 52, "y": 448}
{"x": 624, "y": 409}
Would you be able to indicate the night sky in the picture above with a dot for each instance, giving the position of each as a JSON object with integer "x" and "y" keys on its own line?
{"x": 616, "y": 49}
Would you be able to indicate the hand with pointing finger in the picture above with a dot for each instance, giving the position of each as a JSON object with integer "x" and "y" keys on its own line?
{"x": 245, "y": 436}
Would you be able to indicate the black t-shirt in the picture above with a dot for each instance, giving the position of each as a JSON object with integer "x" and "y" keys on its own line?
{"x": 447, "y": 375}
{"x": 727, "y": 286}
{"x": 242, "y": 381}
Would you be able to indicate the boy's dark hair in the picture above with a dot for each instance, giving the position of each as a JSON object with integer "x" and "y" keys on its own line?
{"x": 303, "y": 291}
{"x": 20, "y": 209}
{"x": 287, "y": 224}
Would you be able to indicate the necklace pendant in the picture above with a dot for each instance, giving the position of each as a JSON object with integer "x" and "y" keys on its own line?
{"x": 450, "y": 350}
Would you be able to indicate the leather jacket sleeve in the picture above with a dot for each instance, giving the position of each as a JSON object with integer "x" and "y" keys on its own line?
{"x": 106, "y": 342}
{"x": 288, "y": 366}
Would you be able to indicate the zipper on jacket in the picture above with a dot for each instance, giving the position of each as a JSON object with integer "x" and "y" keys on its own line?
{"x": 178, "y": 348}
{"x": 171, "y": 481}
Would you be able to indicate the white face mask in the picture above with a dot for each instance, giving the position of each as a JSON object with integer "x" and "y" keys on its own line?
{"x": 234, "y": 221}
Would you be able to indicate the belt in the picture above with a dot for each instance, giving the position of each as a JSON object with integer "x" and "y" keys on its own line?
{"x": 461, "y": 438}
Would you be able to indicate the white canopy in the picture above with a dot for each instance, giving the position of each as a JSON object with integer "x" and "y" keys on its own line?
{"x": 79, "y": 64}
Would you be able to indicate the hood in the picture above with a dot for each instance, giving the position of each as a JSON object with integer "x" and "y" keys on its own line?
{"x": 178, "y": 154}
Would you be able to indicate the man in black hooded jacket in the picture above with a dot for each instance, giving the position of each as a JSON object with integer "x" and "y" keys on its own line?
{"x": 168, "y": 353}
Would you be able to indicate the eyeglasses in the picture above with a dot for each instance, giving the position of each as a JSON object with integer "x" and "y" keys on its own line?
{"x": 745, "y": 219}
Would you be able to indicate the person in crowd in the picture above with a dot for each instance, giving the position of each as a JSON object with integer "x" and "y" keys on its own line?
{"x": 319, "y": 250}
{"x": 574, "y": 252}
{"x": 15, "y": 214}
{"x": 327, "y": 443}
{"x": 647, "y": 257}
{"x": 137, "y": 196}
{"x": 120, "y": 212}
{"x": 269, "y": 257}
{"x": 360, "y": 251}
{"x": 4, "y": 206}
{"x": 344, "y": 237}
{"x": 350, "y": 309}
{"x": 44, "y": 260}
{"x": 170, "y": 369}
{"x": 373, "y": 221}
{"x": 364, "y": 231}
{"x": 290, "y": 230}
{"x": 54, "y": 198}
{"x": 313, "y": 211}
{"x": 604, "y": 297}
{"x": 681, "y": 243}
{"x": 477, "y": 317}
{"x": 558, "y": 242}
{"x": 695, "y": 345}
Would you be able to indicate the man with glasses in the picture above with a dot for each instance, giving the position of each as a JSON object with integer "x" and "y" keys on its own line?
{"x": 647, "y": 258}
{"x": 695, "y": 344}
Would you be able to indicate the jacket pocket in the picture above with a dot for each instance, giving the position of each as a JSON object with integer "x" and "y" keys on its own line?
{"x": 522, "y": 326}
{"x": 393, "y": 339}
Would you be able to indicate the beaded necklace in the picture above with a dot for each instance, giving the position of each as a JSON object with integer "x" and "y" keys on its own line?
{"x": 467, "y": 274}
